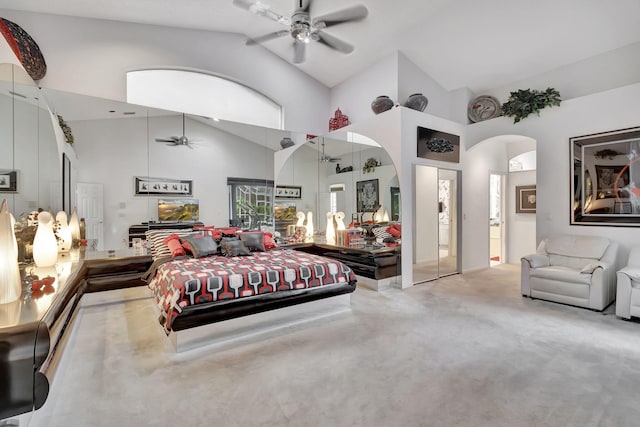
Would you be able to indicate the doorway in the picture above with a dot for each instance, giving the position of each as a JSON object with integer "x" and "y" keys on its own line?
{"x": 436, "y": 237}
{"x": 496, "y": 219}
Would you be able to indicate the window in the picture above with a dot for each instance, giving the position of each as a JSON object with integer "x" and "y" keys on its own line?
{"x": 250, "y": 202}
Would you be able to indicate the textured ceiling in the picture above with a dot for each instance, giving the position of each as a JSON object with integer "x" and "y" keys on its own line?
{"x": 460, "y": 43}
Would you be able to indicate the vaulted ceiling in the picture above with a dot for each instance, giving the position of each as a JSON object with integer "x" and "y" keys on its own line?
{"x": 460, "y": 43}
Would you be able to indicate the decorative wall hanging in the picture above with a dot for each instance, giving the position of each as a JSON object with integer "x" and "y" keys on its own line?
{"x": 163, "y": 186}
{"x": 338, "y": 120}
{"x": 8, "y": 181}
{"x": 526, "y": 199}
{"x": 381, "y": 104}
{"x": 604, "y": 169}
{"x": 437, "y": 145}
{"x": 367, "y": 196}
{"x": 417, "y": 101}
{"x": 288, "y": 192}
{"x": 521, "y": 103}
{"x": 25, "y": 48}
{"x": 484, "y": 107}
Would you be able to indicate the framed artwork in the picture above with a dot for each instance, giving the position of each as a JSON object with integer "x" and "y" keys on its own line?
{"x": 436, "y": 145}
{"x": 288, "y": 192}
{"x": 526, "y": 199}
{"x": 163, "y": 186}
{"x": 604, "y": 169}
{"x": 8, "y": 181}
{"x": 66, "y": 183}
{"x": 367, "y": 196}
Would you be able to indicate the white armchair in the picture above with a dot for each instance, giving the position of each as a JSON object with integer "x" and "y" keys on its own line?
{"x": 575, "y": 270}
{"x": 628, "y": 294}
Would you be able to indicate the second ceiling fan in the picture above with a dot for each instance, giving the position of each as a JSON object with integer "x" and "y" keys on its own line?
{"x": 302, "y": 28}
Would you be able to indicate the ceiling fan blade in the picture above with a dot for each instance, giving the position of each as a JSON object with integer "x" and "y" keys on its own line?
{"x": 334, "y": 42}
{"x": 299, "y": 51}
{"x": 165, "y": 140}
{"x": 353, "y": 13}
{"x": 267, "y": 37}
{"x": 259, "y": 8}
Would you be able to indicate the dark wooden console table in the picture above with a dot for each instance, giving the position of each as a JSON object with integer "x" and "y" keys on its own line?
{"x": 32, "y": 329}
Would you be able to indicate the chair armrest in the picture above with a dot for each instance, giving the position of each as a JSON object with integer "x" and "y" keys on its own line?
{"x": 631, "y": 272}
{"x": 589, "y": 268}
{"x": 536, "y": 260}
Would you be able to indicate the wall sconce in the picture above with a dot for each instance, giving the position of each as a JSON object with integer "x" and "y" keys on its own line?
{"x": 63, "y": 232}
{"x": 45, "y": 247}
{"x": 331, "y": 232}
{"x": 10, "y": 284}
{"x": 74, "y": 228}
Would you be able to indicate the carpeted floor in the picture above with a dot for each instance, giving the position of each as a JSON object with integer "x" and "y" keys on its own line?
{"x": 466, "y": 350}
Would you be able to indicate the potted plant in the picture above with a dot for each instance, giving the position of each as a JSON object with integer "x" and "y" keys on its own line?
{"x": 524, "y": 102}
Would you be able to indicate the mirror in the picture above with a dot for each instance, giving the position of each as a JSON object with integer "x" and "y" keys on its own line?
{"x": 30, "y": 164}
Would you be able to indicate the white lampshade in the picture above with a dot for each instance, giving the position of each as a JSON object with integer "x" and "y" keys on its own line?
{"x": 310, "y": 229}
{"x": 339, "y": 216}
{"x": 385, "y": 216}
{"x": 377, "y": 217}
{"x": 10, "y": 284}
{"x": 331, "y": 232}
{"x": 74, "y": 226}
{"x": 63, "y": 231}
{"x": 45, "y": 247}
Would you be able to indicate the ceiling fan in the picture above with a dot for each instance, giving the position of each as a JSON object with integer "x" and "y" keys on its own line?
{"x": 302, "y": 28}
{"x": 177, "y": 140}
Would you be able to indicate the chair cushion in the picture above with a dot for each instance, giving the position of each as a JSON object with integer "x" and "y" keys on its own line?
{"x": 575, "y": 263}
{"x": 562, "y": 274}
{"x": 577, "y": 246}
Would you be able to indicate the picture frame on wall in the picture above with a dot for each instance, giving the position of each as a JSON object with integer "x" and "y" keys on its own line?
{"x": 604, "y": 169}
{"x": 526, "y": 199}
{"x": 367, "y": 196}
{"x": 8, "y": 181}
{"x": 288, "y": 192}
{"x": 145, "y": 186}
{"x": 437, "y": 145}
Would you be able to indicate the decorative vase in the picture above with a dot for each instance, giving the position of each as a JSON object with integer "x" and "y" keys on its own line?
{"x": 286, "y": 142}
{"x": 416, "y": 101}
{"x": 381, "y": 103}
{"x": 331, "y": 232}
{"x": 45, "y": 247}
{"x": 63, "y": 232}
{"x": 10, "y": 283}
{"x": 74, "y": 228}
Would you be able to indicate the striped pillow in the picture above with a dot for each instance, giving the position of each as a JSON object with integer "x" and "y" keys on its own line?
{"x": 381, "y": 233}
{"x": 157, "y": 248}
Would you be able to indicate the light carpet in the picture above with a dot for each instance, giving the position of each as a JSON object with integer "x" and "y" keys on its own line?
{"x": 466, "y": 350}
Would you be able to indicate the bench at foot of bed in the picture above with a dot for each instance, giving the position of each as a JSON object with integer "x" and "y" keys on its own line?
{"x": 259, "y": 325}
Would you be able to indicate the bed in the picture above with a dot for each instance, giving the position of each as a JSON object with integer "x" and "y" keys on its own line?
{"x": 192, "y": 292}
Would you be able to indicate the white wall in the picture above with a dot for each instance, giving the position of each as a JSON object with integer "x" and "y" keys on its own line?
{"x": 90, "y": 56}
{"x": 114, "y": 151}
{"x": 609, "y": 110}
{"x": 521, "y": 227}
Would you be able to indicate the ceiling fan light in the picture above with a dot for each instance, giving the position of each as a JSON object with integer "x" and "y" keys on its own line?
{"x": 300, "y": 31}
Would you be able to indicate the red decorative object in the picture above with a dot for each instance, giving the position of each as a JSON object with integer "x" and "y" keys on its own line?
{"x": 25, "y": 48}
{"x": 338, "y": 120}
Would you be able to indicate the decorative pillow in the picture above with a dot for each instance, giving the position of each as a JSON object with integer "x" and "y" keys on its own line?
{"x": 173, "y": 242}
{"x": 234, "y": 247}
{"x": 381, "y": 233}
{"x": 253, "y": 240}
{"x": 394, "y": 230}
{"x": 157, "y": 249}
{"x": 268, "y": 241}
{"x": 201, "y": 247}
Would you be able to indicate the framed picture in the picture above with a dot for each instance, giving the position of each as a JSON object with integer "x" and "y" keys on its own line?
{"x": 66, "y": 183}
{"x": 437, "y": 145}
{"x": 604, "y": 169}
{"x": 163, "y": 186}
{"x": 8, "y": 181}
{"x": 367, "y": 196}
{"x": 526, "y": 199}
{"x": 288, "y": 192}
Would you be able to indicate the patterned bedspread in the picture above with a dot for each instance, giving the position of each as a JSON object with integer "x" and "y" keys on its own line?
{"x": 178, "y": 284}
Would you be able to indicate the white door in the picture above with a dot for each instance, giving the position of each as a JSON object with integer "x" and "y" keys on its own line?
{"x": 89, "y": 203}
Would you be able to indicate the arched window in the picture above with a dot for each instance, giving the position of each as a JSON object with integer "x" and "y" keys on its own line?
{"x": 204, "y": 94}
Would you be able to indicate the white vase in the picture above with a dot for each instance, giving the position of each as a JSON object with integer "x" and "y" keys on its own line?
{"x": 74, "y": 227}
{"x": 45, "y": 247}
{"x": 10, "y": 284}
{"x": 331, "y": 232}
{"x": 63, "y": 232}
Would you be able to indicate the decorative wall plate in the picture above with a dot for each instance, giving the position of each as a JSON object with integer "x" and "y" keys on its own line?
{"x": 25, "y": 48}
{"x": 483, "y": 107}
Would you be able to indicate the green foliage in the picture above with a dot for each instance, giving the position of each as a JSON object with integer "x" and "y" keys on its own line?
{"x": 68, "y": 135}
{"x": 524, "y": 102}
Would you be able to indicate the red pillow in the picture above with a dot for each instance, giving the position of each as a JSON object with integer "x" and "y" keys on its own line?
{"x": 394, "y": 231}
{"x": 173, "y": 242}
{"x": 267, "y": 239}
